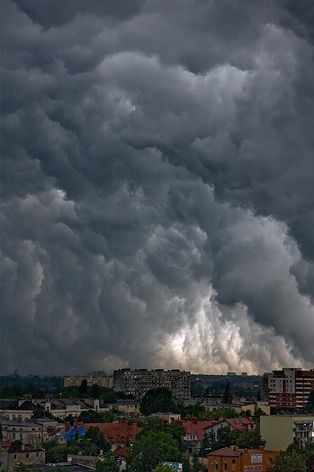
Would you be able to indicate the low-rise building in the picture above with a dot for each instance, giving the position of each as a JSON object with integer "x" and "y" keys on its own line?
{"x": 232, "y": 459}
{"x": 18, "y": 409}
{"x": 29, "y": 432}
{"x": 28, "y": 456}
{"x": 279, "y": 431}
{"x": 118, "y": 434}
{"x": 169, "y": 417}
{"x": 127, "y": 407}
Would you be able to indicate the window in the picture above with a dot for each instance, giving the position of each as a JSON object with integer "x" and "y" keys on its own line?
{"x": 233, "y": 461}
{"x": 225, "y": 466}
{"x": 14, "y": 456}
{"x": 27, "y": 455}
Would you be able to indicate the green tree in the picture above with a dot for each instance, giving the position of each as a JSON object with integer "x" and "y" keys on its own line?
{"x": 158, "y": 400}
{"x": 56, "y": 453}
{"x": 16, "y": 446}
{"x": 156, "y": 425}
{"x": 248, "y": 439}
{"x": 107, "y": 464}
{"x": 83, "y": 388}
{"x": 152, "y": 449}
{"x": 292, "y": 460}
{"x": 94, "y": 391}
{"x": 309, "y": 408}
{"x": 227, "y": 396}
{"x": 96, "y": 438}
{"x": 163, "y": 468}
{"x": 197, "y": 465}
{"x": 21, "y": 468}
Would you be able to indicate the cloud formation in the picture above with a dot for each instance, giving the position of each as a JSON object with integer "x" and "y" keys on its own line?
{"x": 157, "y": 185}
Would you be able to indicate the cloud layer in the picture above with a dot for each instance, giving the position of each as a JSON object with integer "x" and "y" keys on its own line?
{"x": 157, "y": 185}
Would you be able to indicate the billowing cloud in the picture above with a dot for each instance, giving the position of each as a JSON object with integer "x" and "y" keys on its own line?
{"x": 157, "y": 185}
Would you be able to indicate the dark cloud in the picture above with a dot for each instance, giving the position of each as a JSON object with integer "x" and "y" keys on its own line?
{"x": 157, "y": 185}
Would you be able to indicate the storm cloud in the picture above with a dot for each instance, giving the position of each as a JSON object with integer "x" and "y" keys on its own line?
{"x": 157, "y": 185}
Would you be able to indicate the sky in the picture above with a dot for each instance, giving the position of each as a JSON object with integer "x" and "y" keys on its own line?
{"x": 157, "y": 196}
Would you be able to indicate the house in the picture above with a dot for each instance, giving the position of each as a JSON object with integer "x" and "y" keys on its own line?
{"x": 232, "y": 459}
{"x": 18, "y": 409}
{"x": 232, "y": 423}
{"x": 194, "y": 433}
{"x": 29, "y": 432}
{"x": 169, "y": 417}
{"x": 28, "y": 456}
{"x": 118, "y": 434}
{"x": 126, "y": 406}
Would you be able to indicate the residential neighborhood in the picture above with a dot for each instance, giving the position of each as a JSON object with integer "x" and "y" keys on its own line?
{"x": 71, "y": 426}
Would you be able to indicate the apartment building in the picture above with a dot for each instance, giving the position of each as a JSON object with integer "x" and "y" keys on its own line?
{"x": 281, "y": 430}
{"x": 138, "y": 382}
{"x": 28, "y": 432}
{"x": 76, "y": 381}
{"x": 288, "y": 388}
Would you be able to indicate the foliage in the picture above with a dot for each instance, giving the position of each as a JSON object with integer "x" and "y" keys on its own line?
{"x": 107, "y": 464}
{"x": 96, "y": 438}
{"x": 158, "y": 400}
{"x": 197, "y": 465}
{"x": 92, "y": 416}
{"x": 151, "y": 449}
{"x": 295, "y": 459}
{"x": 21, "y": 468}
{"x": 156, "y": 425}
{"x": 83, "y": 388}
{"x": 292, "y": 460}
{"x": 16, "y": 446}
{"x": 309, "y": 408}
{"x": 55, "y": 452}
{"x": 163, "y": 468}
{"x": 95, "y": 391}
{"x": 227, "y": 397}
{"x": 226, "y": 437}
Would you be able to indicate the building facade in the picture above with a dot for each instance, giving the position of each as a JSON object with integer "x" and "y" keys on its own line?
{"x": 232, "y": 459}
{"x": 279, "y": 431}
{"x": 28, "y": 432}
{"x": 138, "y": 382}
{"x": 76, "y": 381}
{"x": 288, "y": 388}
{"x": 28, "y": 457}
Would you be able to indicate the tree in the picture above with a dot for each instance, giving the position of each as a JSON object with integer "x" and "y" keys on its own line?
{"x": 152, "y": 449}
{"x": 21, "y": 468}
{"x": 292, "y": 460}
{"x": 248, "y": 439}
{"x": 158, "y": 400}
{"x": 96, "y": 438}
{"x": 156, "y": 425}
{"x": 227, "y": 397}
{"x": 163, "y": 468}
{"x": 197, "y": 465}
{"x": 83, "y": 388}
{"x": 94, "y": 392}
{"x": 107, "y": 464}
{"x": 309, "y": 408}
{"x": 16, "y": 446}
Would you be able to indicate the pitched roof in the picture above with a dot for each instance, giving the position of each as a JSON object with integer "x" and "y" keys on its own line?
{"x": 226, "y": 452}
{"x": 119, "y": 432}
{"x": 197, "y": 427}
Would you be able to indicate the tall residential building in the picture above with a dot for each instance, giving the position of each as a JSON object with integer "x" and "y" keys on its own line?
{"x": 138, "y": 382}
{"x": 288, "y": 388}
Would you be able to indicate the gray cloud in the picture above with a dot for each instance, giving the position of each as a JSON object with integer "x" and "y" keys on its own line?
{"x": 157, "y": 196}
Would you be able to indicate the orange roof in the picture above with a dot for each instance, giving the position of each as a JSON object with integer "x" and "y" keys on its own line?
{"x": 120, "y": 432}
{"x": 235, "y": 452}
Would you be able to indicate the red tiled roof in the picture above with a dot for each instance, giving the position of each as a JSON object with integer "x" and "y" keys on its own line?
{"x": 239, "y": 423}
{"x": 120, "y": 432}
{"x": 197, "y": 427}
{"x": 226, "y": 452}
